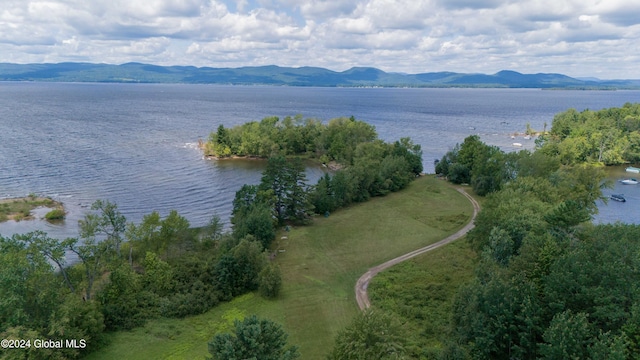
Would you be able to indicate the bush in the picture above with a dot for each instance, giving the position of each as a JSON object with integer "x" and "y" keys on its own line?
{"x": 55, "y": 214}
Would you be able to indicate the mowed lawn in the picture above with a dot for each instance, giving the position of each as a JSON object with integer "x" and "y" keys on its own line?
{"x": 320, "y": 265}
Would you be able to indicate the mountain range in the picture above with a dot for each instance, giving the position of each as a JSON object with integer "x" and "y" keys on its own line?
{"x": 289, "y": 76}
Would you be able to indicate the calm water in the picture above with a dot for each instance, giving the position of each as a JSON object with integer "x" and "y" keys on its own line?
{"x": 136, "y": 144}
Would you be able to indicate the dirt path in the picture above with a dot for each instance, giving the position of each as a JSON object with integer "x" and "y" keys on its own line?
{"x": 363, "y": 283}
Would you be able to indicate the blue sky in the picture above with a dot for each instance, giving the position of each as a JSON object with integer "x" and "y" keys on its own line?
{"x": 579, "y": 38}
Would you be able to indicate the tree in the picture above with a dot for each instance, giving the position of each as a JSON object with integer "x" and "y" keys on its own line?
{"x": 270, "y": 280}
{"x": 488, "y": 173}
{"x": 372, "y": 335}
{"x": 143, "y": 237}
{"x": 322, "y": 196}
{"x": 52, "y": 249}
{"x": 274, "y": 178}
{"x": 174, "y": 231}
{"x": 123, "y": 301}
{"x": 258, "y": 222}
{"x": 568, "y": 337}
{"x": 237, "y": 271}
{"x": 297, "y": 204}
{"x": 411, "y": 152}
{"x": 94, "y": 256}
{"x": 108, "y": 224}
{"x": 253, "y": 338}
{"x": 158, "y": 276}
{"x": 286, "y": 179}
{"x": 498, "y": 317}
{"x": 75, "y": 319}
{"x": 29, "y": 288}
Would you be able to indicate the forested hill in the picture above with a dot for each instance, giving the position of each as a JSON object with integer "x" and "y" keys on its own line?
{"x": 301, "y": 76}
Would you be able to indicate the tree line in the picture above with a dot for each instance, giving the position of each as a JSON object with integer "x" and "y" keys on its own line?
{"x": 549, "y": 284}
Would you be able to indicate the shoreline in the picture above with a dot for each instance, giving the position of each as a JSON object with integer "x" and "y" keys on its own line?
{"x": 331, "y": 165}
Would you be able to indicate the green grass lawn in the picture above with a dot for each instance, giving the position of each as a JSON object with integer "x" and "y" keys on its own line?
{"x": 320, "y": 265}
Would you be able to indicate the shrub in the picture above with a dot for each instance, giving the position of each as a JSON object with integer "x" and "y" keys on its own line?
{"x": 55, "y": 214}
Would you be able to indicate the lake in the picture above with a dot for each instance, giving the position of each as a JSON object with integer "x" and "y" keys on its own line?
{"x": 136, "y": 144}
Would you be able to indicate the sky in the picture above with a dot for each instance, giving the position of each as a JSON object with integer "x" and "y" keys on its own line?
{"x": 580, "y": 38}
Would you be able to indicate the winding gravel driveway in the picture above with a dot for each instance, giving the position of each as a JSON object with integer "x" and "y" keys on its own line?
{"x": 363, "y": 282}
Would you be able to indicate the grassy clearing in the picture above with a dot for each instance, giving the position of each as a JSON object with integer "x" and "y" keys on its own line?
{"x": 20, "y": 208}
{"x": 420, "y": 293}
{"x": 320, "y": 265}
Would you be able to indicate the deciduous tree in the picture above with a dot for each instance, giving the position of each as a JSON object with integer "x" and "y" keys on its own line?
{"x": 253, "y": 338}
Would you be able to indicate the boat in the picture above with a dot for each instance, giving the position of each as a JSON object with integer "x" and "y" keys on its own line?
{"x": 632, "y": 169}
{"x": 631, "y": 181}
{"x": 517, "y": 144}
{"x": 618, "y": 197}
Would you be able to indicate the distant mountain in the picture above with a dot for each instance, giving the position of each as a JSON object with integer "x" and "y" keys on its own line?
{"x": 302, "y": 76}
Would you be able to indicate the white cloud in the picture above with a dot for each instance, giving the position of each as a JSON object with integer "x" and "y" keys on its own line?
{"x": 577, "y": 37}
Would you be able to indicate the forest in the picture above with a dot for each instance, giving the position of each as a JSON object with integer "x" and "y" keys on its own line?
{"x": 116, "y": 275}
{"x": 549, "y": 284}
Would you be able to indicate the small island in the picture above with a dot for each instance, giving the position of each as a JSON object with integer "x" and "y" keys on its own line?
{"x": 18, "y": 209}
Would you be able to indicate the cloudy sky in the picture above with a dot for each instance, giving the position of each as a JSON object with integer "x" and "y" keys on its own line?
{"x": 599, "y": 38}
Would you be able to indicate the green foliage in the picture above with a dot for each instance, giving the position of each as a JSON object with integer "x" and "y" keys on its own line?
{"x": 569, "y": 294}
{"x": 335, "y": 141}
{"x": 567, "y": 337}
{"x": 498, "y": 318}
{"x": 194, "y": 281}
{"x": 170, "y": 236}
{"x": 378, "y": 169}
{"x": 237, "y": 271}
{"x": 270, "y": 280}
{"x": 55, "y": 214}
{"x": 36, "y": 302}
{"x": 253, "y": 214}
{"x": 76, "y": 319}
{"x": 29, "y": 287}
{"x": 372, "y": 335}
{"x": 122, "y": 300}
{"x": 609, "y": 136}
{"x": 23, "y": 333}
{"x": 158, "y": 275}
{"x": 286, "y": 180}
{"x": 253, "y": 338}
{"x": 549, "y": 285}
{"x": 485, "y": 167}
{"x": 194, "y": 275}
{"x": 107, "y": 222}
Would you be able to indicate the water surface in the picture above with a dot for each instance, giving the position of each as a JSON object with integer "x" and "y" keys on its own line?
{"x": 135, "y": 144}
